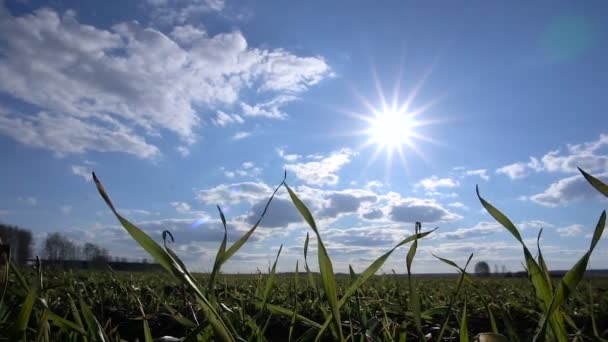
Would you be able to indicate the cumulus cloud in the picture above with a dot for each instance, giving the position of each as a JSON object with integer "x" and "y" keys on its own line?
{"x": 483, "y": 228}
{"x": 346, "y": 202}
{"x": 83, "y": 171}
{"x": 418, "y": 209}
{"x": 286, "y": 156}
{"x": 249, "y": 192}
{"x": 281, "y": 212}
{"x": 571, "y": 230}
{"x": 520, "y": 169}
{"x": 433, "y": 183}
{"x": 587, "y": 156}
{"x": 144, "y": 81}
{"x": 181, "y": 207}
{"x": 481, "y": 173}
{"x": 322, "y": 171}
{"x": 248, "y": 169}
{"x": 567, "y": 190}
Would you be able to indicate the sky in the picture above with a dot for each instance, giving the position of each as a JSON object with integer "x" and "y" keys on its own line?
{"x": 382, "y": 114}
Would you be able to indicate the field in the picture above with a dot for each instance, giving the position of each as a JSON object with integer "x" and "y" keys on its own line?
{"x": 48, "y": 305}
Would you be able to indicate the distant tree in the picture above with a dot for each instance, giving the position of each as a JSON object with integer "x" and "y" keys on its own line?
{"x": 59, "y": 247}
{"x": 482, "y": 269}
{"x": 19, "y": 240}
{"x": 92, "y": 252}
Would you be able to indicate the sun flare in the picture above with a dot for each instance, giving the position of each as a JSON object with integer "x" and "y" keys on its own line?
{"x": 391, "y": 128}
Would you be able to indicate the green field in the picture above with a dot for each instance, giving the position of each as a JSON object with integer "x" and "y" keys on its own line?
{"x": 48, "y": 305}
{"x": 380, "y": 310}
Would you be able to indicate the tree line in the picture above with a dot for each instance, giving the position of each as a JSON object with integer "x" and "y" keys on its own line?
{"x": 56, "y": 246}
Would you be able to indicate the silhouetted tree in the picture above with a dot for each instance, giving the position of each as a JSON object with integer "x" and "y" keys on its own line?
{"x": 59, "y": 247}
{"x": 482, "y": 269}
{"x": 19, "y": 240}
{"x": 93, "y": 252}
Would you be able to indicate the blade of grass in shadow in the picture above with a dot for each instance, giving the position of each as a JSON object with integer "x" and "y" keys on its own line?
{"x": 325, "y": 266}
{"x": 464, "y": 330}
{"x": 596, "y": 183}
{"x": 23, "y": 317}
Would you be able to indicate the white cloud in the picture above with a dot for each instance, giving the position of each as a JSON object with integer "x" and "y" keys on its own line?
{"x": 250, "y": 192}
{"x": 288, "y": 157}
{"x": 520, "y": 169}
{"x": 434, "y": 182}
{"x": 224, "y": 119}
{"x": 567, "y": 190}
{"x": 169, "y": 12}
{"x": 248, "y": 169}
{"x": 241, "y": 135}
{"x": 144, "y": 82}
{"x": 482, "y": 173}
{"x": 586, "y": 156}
{"x": 324, "y": 171}
{"x": 483, "y": 228}
{"x": 458, "y": 205}
{"x": 183, "y": 151}
{"x": 571, "y": 230}
{"x": 270, "y": 109}
{"x": 181, "y": 207}
{"x": 419, "y": 209}
{"x": 83, "y": 171}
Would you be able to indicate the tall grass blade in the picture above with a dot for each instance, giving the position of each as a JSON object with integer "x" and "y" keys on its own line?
{"x": 571, "y": 279}
{"x": 464, "y": 330}
{"x": 596, "y": 183}
{"x": 325, "y": 266}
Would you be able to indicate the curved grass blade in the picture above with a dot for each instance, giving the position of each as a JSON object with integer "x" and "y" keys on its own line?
{"x": 169, "y": 261}
{"x": 325, "y": 266}
{"x": 535, "y": 272}
{"x": 23, "y": 317}
{"x": 571, "y": 279}
{"x": 463, "y": 273}
{"x": 413, "y": 294}
{"x": 596, "y": 183}
{"x": 369, "y": 272}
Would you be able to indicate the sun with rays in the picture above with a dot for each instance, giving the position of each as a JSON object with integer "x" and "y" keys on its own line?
{"x": 395, "y": 129}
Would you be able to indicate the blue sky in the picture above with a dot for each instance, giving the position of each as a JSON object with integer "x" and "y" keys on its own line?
{"x": 382, "y": 115}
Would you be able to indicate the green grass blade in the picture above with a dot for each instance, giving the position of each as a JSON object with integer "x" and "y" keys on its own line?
{"x": 325, "y": 266}
{"x": 23, "y": 317}
{"x": 360, "y": 279}
{"x": 596, "y": 183}
{"x": 65, "y": 324}
{"x": 571, "y": 279}
{"x": 464, "y": 330}
{"x": 171, "y": 263}
{"x": 413, "y": 293}
{"x": 270, "y": 281}
{"x": 463, "y": 273}
{"x": 535, "y": 273}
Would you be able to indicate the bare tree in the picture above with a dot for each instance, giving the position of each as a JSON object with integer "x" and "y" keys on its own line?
{"x": 59, "y": 247}
{"x": 19, "y": 240}
{"x": 93, "y": 252}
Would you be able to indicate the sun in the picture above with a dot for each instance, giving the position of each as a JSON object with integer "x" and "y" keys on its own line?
{"x": 390, "y": 128}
